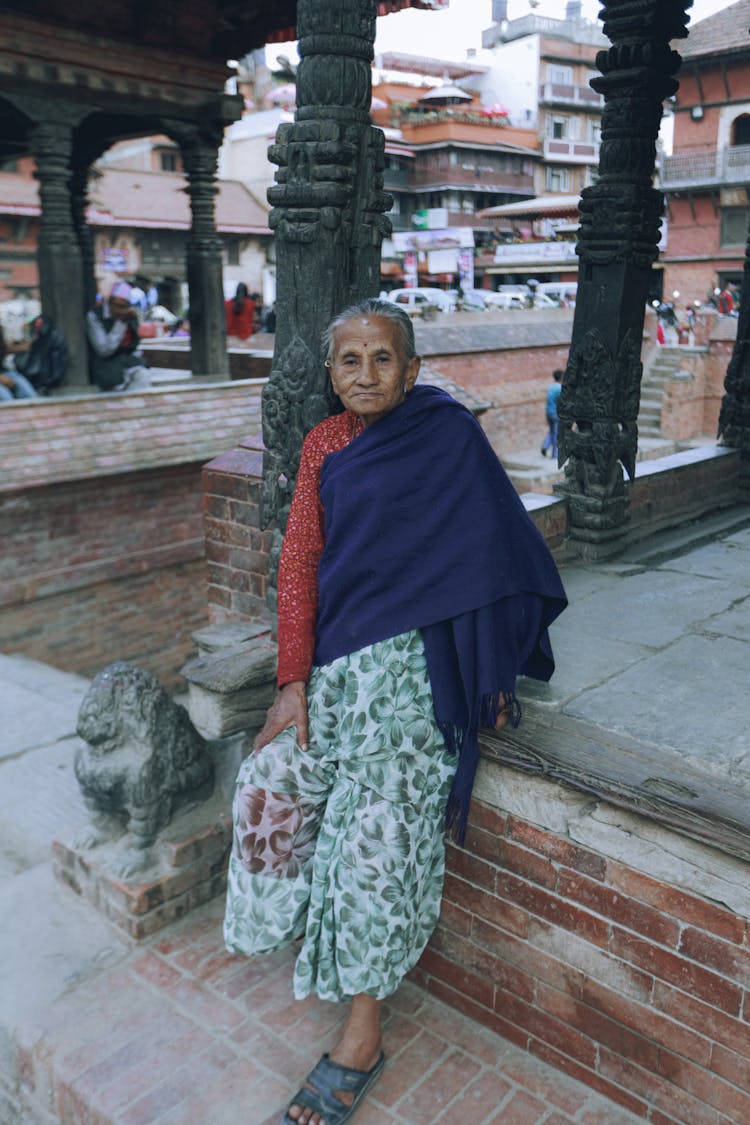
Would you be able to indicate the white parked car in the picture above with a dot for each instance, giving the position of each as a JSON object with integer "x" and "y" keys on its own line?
{"x": 502, "y": 300}
{"x": 415, "y": 301}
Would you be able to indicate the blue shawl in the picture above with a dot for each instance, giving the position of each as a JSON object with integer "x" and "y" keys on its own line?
{"x": 424, "y": 531}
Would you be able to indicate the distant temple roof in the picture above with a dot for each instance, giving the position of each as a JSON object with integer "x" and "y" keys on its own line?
{"x": 721, "y": 33}
{"x": 156, "y": 200}
{"x": 422, "y": 64}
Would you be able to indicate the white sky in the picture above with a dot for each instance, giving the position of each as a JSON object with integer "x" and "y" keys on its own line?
{"x": 449, "y": 33}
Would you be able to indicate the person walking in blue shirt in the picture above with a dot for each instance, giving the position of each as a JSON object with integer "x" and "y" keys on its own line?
{"x": 553, "y": 394}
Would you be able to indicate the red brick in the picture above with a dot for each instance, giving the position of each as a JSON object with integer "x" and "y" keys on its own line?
{"x": 716, "y": 954}
{"x": 478, "y": 988}
{"x": 595, "y": 1025}
{"x": 645, "y": 1020}
{"x": 732, "y": 1066}
{"x": 483, "y": 843}
{"x": 481, "y": 1096}
{"x": 484, "y": 905}
{"x": 656, "y": 1090}
{"x": 474, "y": 870}
{"x": 591, "y": 1079}
{"x": 691, "y": 978}
{"x": 449, "y": 1078}
{"x": 406, "y": 1070}
{"x": 530, "y": 960}
{"x": 554, "y": 909}
{"x": 460, "y": 951}
{"x": 484, "y": 1016}
{"x": 454, "y": 918}
{"x": 556, "y": 848}
{"x": 549, "y": 1030}
{"x": 671, "y": 900}
{"x": 705, "y": 1086}
{"x": 522, "y": 1109}
{"x": 487, "y": 818}
{"x": 634, "y": 915}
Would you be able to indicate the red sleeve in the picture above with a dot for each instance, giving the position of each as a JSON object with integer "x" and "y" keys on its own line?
{"x": 297, "y": 588}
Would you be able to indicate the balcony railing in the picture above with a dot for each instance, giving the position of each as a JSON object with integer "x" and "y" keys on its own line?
{"x": 481, "y": 179}
{"x": 559, "y": 94}
{"x": 535, "y": 253}
{"x": 706, "y": 168}
{"x": 571, "y": 152}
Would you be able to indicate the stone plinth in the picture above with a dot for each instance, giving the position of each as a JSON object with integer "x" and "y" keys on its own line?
{"x": 189, "y": 868}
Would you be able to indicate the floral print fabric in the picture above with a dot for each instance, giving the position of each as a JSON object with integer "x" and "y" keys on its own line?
{"x": 343, "y": 844}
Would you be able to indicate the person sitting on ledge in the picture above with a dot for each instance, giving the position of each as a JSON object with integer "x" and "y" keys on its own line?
{"x": 117, "y": 364}
{"x": 413, "y": 588}
{"x": 13, "y": 385}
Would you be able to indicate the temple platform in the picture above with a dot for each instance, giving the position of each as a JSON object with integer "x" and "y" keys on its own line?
{"x": 595, "y": 922}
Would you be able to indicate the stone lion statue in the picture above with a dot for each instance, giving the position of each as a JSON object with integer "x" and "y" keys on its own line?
{"x": 141, "y": 759}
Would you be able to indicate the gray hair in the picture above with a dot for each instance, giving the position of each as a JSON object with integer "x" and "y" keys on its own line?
{"x": 373, "y": 306}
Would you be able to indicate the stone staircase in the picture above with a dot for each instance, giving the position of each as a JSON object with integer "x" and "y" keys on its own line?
{"x": 666, "y": 361}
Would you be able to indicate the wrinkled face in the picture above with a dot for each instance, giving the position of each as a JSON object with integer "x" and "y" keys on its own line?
{"x": 368, "y": 369}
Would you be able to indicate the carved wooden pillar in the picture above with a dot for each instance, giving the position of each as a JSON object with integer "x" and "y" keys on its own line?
{"x": 620, "y": 218}
{"x": 329, "y": 222}
{"x": 59, "y": 255}
{"x": 734, "y": 417}
{"x": 208, "y": 336}
{"x": 79, "y": 184}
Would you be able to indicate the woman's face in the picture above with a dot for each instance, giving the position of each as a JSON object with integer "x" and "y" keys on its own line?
{"x": 368, "y": 370}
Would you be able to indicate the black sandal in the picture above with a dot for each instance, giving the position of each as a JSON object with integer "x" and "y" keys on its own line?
{"x": 319, "y": 1091}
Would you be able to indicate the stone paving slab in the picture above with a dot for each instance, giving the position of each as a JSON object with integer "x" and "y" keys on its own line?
{"x": 651, "y": 608}
{"x": 661, "y": 700}
{"x": 39, "y": 704}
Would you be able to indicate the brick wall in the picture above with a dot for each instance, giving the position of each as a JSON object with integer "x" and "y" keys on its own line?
{"x": 237, "y": 550}
{"x": 611, "y": 948}
{"x": 146, "y": 618}
{"x": 515, "y": 384}
{"x": 98, "y": 435}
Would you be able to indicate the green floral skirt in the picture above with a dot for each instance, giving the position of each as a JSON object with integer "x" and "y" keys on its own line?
{"x": 343, "y": 844}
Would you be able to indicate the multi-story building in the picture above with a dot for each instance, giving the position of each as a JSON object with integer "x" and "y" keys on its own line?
{"x": 540, "y": 68}
{"x": 707, "y": 177}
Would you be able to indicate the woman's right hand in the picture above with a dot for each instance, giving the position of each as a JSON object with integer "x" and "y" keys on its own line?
{"x": 289, "y": 709}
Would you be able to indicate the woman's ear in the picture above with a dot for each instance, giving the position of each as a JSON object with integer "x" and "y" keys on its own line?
{"x": 412, "y": 371}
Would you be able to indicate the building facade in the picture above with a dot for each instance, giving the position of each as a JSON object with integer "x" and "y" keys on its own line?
{"x": 707, "y": 176}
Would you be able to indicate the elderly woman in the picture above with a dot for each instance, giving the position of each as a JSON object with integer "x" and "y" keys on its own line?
{"x": 412, "y": 590}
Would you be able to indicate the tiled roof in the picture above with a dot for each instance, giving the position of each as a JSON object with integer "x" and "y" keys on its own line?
{"x": 154, "y": 199}
{"x": 728, "y": 30}
{"x": 121, "y": 198}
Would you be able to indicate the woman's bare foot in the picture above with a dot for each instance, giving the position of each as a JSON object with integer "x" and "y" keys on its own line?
{"x": 358, "y": 1048}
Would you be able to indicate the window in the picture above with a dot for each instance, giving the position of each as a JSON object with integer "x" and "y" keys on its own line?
{"x": 560, "y": 75}
{"x": 594, "y": 131}
{"x": 168, "y": 161}
{"x": 734, "y": 225}
{"x": 741, "y": 130}
{"x": 558, "y": 179}
{"x": 558, "y": 128}
{"x": 233, "y": 252}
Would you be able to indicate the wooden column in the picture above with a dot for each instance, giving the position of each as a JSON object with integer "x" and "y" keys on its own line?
{"x": 620, "y": 220}
{"x": 59, "y": 254}
{"x": 329, "y": 223}
{"x": 208, "y": 337}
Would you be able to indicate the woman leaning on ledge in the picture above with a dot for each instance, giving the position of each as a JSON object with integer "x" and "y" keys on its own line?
{"x": 413, "y": 589}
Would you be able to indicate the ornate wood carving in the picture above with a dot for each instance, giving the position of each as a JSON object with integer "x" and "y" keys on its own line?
{"x": 328, "y": 206}
{"x": 59, "y": 255}
{"x": 208, "y": 339}
{"x": 620, "y": 219}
